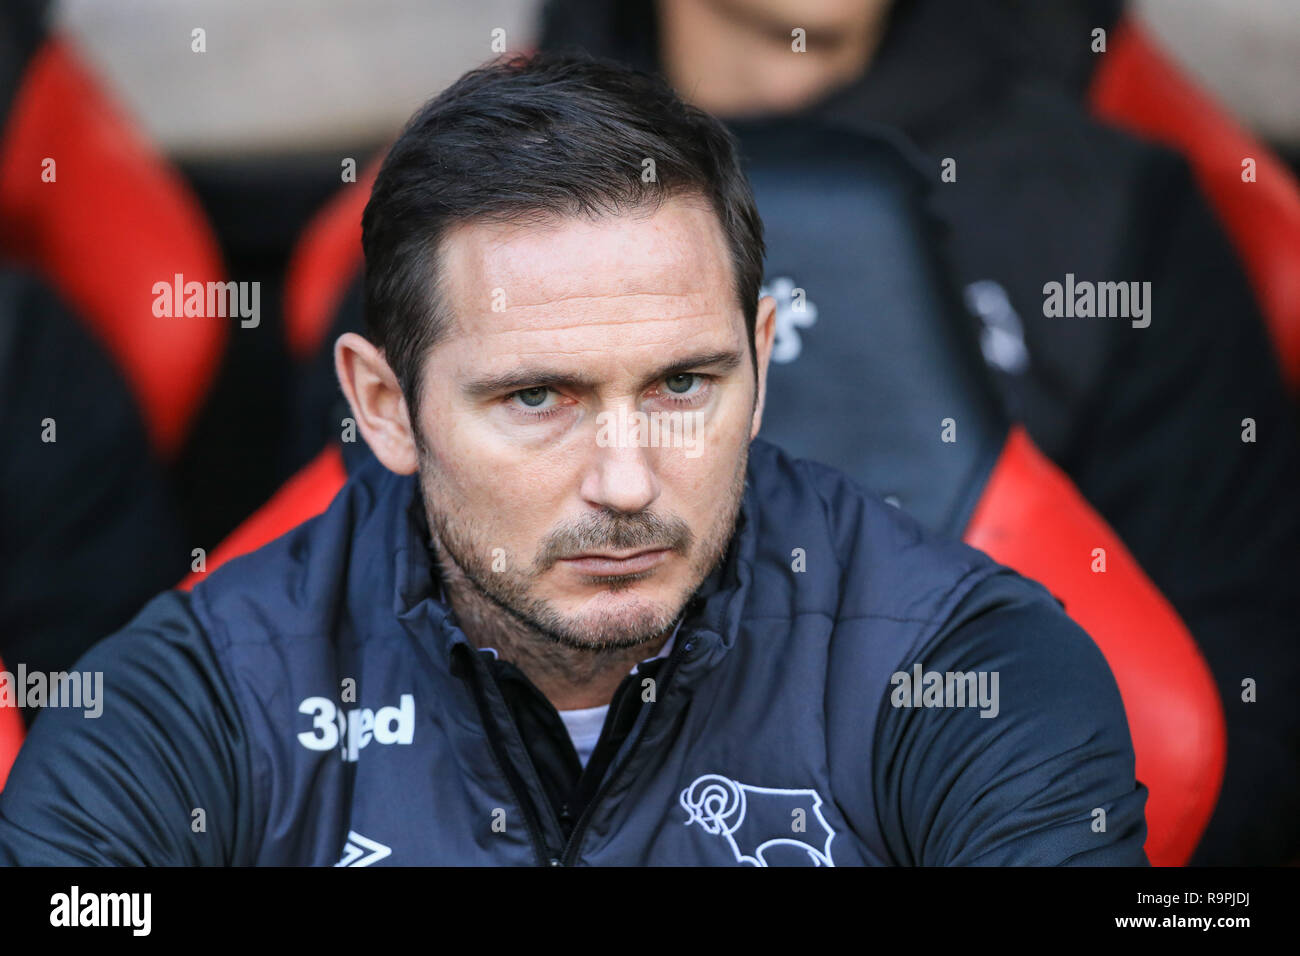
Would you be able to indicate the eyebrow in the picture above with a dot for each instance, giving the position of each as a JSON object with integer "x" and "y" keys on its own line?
{"x": 721, "y": 362}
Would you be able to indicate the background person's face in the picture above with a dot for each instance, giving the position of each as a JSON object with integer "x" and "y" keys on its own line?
{"x": 520, "y": 480}
{"x": 820, "y": 17}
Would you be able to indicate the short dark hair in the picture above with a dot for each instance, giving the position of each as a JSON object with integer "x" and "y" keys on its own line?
{"x": 538, "y": 136}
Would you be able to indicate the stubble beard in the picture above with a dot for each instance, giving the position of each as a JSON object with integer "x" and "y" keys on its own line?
{"x": 502, "y": 609}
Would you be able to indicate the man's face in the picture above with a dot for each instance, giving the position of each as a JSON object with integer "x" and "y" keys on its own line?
{"x": 586, "y": 417}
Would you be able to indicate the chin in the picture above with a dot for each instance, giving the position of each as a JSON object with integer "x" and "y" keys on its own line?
{"x": 618, "y": 619}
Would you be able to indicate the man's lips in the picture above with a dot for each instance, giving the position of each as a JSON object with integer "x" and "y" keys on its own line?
{"x": 612, "y": 563}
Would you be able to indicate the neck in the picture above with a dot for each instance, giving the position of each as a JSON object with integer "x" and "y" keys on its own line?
{"x": 571, "y": 678}
{"x": 726, "y": 57}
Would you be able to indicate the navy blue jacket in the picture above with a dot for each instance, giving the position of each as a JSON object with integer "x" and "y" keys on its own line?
{"x": 1147, "y": 422}
{"x": 783, "y": 729}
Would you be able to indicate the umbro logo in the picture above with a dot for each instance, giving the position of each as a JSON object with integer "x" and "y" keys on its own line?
{"x": 362, "y": 851}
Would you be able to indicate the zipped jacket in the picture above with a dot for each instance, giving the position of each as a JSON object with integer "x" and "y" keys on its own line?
{"x": 315, "y": 702}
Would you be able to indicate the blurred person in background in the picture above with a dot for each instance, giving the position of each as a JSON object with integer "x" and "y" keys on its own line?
{"x": 1146, "y": 419}
{"x": 89, "y": 528}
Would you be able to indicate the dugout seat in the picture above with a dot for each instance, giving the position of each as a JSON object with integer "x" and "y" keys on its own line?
{"x": 105, "y": 222}
{"x": 324, "y": 261}
{"x": 863, "y": 250}
{"x": 1138, "y": 88}
{"x": 11, "y": 737}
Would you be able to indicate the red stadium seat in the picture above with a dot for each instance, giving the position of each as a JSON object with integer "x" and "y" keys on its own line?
{"x": 1137, "y": 88}
{"x": 11, "y": 738}
{"x": 1030, "y": 517}
{"x": 847, "y": 213}
{"x": 324, "y": 261}
{"x": 116, "y": 220}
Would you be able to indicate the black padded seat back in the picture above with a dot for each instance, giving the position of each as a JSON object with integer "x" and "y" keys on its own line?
{"x": 883, "y": 351}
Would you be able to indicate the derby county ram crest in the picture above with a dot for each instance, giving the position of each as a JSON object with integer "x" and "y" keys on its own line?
{"x": 763, "y": 826}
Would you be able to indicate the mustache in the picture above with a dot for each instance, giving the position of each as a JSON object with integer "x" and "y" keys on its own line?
{"x": 615, "y": 532}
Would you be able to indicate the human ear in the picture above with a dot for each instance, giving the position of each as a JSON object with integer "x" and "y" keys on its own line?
{"x": 764, "y": 335}
{"x": 373, "y": 392}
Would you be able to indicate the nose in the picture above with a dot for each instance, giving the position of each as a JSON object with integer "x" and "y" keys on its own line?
{"x": 620, "y": 475}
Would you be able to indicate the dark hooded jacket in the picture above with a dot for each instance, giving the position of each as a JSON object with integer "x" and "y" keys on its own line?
{"x": 315, "y": 702}
{"x": 1147, "y": 421}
